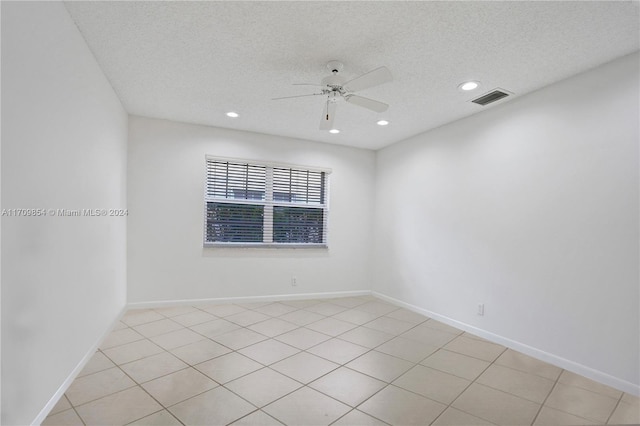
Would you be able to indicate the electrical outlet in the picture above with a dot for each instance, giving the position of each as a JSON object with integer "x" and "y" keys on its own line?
{"x": 294, "y": 281}
{"x": 481, "y": 309}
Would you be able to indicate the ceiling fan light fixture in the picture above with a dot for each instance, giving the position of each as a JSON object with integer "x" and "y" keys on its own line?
{"x": 334, "y": 131}
{"x": 233, "y": 114}
{"x": 469, "y": 85}
{"x": 382, "y": 123}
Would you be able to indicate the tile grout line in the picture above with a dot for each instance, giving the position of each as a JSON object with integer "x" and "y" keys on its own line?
{"x": 513, "y": 394}
{"x": 268, "y": 338}
{"x": 74, "y": 409}
{"x": 542, "y": 405}
{"x": 263, "y": 367}
{"x": 387, "y": 384}
{"x": 198, "y": 394}
{"x": 414, "y": 365}
{"x": 302, "y": 350}
{"x": 585, "y": 390}
{"x": 303, "y": 385}
{"x": 395, "y": 335}
{"x": 137, "y": 384}
{"x": 253, "y": 412}
{"x": 306, "y": 385}
{"x": 450, "y": 405}
{"x": 151, "y": 396}
{"x": 108, "y": 394}
{"x": 189, "y": 365}
{"x": 614, "y": 408}
{"x": 165, "y": 350}
{"x": 566, "y": 412}
{"x": 155, "y": 412}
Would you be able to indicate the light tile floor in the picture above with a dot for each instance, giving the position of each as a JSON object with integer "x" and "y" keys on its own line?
{"x": 348, "y": 361}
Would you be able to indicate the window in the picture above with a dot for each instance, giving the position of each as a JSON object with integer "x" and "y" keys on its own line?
{"x": 275, "y": 205}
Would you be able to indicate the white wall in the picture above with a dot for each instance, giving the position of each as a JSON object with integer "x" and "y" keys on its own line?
{"x": 532, "y": 209}
{"x": 63, "y": 147}
{"x": 167, "y": 261}
{"x": 0, "y": 237}
{"x": 0, "y": 234}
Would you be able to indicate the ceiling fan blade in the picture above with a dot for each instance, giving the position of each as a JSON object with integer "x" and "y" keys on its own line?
{"x": 367, "y": 103}
{"x": 307, "y": 84}
{"x": 372, "y": 78}
{"x": 326, "y": 121}
{"x": 297, "y": 96}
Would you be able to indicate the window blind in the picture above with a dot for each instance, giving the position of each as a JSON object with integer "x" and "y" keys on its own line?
{"x": 236, "y": 181}
{"x": 248, "y": 203}
{"x": 298, "y": 186}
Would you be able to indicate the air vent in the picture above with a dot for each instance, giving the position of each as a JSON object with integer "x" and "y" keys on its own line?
{"x": 490, "y": 97}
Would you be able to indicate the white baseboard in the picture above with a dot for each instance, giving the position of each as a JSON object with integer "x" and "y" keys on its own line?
{"x": 558, "y": 361}
{"x": 247, "y": 299}
{"x": 65, "y": 385}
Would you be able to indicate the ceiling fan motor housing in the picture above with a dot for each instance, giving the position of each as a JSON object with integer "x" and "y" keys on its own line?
{"x": 333, "y": 81}
{"x": 335, "y": 66}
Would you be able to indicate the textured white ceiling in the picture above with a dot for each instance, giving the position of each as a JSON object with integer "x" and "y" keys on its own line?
{"x": 194, "y": 61}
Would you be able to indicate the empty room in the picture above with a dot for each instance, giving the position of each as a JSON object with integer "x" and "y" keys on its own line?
{"x": 320, "y": 213}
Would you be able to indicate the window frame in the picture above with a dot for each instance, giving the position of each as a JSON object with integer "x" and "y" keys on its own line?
{"x": 269, "y": 204}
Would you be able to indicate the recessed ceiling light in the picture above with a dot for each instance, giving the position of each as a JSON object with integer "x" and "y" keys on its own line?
{"x": 232, "y": 114}
{"x": 469, "y": 85}
{"x": 382, "y": 123}
{"x": 334, "y": 131}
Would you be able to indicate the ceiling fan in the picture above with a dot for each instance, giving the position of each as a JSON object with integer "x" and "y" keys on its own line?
{"x": 335, "y": 88}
